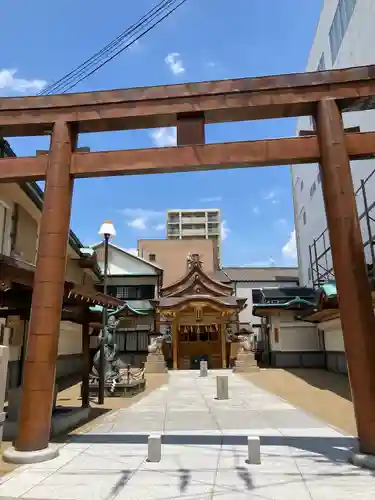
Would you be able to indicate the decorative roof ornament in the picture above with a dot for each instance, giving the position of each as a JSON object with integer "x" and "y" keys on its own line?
{"x": 193, "y": 259}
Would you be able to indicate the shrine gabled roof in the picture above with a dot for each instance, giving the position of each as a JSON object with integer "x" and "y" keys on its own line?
{"x": 186, "y": 282}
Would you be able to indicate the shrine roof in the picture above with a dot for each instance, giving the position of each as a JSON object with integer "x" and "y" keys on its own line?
{"x": 256, "y": 274}
{"x": 296, "y": 304}
{"x": 226, "y": 301}
{"x": 92, "y": 296}
{"x": 196, "y": 276}
{"x": 137, "y": 307}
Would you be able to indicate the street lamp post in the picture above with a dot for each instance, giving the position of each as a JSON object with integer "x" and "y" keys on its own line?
{"x": 106, "y": 231}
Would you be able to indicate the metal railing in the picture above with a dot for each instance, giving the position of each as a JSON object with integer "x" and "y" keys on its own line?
{"x": 321, "y": 265}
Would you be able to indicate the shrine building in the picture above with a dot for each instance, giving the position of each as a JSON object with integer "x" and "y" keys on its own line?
{"x": 199, "y": 315}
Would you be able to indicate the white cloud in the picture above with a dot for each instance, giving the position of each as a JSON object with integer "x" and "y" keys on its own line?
{"x": 136, "y": 45}
{"x": 281, "y": 222}
{"x": 164, "y": 137}
{"x": 9, "y": 82}
{"x": 224, "y": 230}
{"x": 138, "y": 223}
{"x": 142, "y": 213}
{"x": 133, "y": 251}
{"x": 290, "y": 248}
{"x": 263, "y": 263}
{"x": 211, "y": 64}
{"x": 174, "y": 62}
{"x": 271, "y": 197}
{"x": 211, "y": 199}
{"x": 140, "y": 218}
{"x": 159, "y": 227}
{"x": 255, "y": 210}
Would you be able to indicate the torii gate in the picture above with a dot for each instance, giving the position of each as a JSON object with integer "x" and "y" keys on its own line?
{"x": 323, "y": 95}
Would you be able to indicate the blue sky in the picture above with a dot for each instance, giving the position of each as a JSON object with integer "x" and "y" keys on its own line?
{"x": 203, "y": 40}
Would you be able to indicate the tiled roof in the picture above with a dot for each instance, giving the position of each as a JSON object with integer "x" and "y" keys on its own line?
{"x": 140, "y": 305}
{"x": 289, "y": 293}
{"x": 228, "y": 300}
{"x": 219, "y": 276}
{"x": 228, "y": 274}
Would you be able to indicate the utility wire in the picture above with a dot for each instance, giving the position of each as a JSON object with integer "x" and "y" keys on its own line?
{"x": 107, "y": 49}
{"x": 127, "y": 38}
{"x": 129, "y": 44}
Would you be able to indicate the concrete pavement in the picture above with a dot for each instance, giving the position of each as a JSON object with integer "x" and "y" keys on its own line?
{"x": 203, "y": 454}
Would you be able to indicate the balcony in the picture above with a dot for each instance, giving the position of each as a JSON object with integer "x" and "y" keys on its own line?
{"x": 193, "y": 232}
{"x": 201, "y": 221}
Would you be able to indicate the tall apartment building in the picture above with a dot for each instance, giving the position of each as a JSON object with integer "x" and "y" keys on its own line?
{"x": 194, "y": 224}
{"x": 345, "y": 37}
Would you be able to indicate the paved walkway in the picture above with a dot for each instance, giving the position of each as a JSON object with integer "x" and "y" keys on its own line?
{"x": 302, "y": 458}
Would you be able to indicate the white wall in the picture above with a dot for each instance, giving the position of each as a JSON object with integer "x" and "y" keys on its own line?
{"x": 122, "y": 263}
{"x": 293, "y": 335}
{"x": 129, "y": 281}
{"x": 70, "y": 338}
{"x": 357, "y": 49}
{"x": 243, "y": 290}
{"x": 333, "y": 338}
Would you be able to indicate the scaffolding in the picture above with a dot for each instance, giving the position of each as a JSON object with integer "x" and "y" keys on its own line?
{"x": 321, "y": 265}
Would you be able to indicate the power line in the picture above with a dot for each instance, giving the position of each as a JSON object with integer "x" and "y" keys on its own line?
{"x": 107, "y": 49}
{"x": 127, "y": 45}
{"x": 127, "y": 38}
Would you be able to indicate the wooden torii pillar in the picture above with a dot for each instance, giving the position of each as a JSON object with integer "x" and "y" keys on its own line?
{"x": 40, "y": 364}
{"x": 354, "y": 291}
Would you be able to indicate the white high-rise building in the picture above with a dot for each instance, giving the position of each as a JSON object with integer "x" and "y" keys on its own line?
{"x": 194, "y": 224}
{"x": 345, "y": 37}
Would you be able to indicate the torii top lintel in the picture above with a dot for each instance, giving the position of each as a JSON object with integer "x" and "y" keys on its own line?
{"x": 189, "y": 107}
{"x": 218, "y": 101}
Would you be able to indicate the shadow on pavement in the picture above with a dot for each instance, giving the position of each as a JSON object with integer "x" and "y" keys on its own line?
{"x": 336, "y": 449}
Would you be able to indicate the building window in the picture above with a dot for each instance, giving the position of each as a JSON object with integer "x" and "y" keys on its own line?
{"x": 312, "y": 189}
{"x": 141, "y": 292}
{"x": 341, "y": 20}
{"x": 301, "y": 184}
{"x": 257, "y": 296}
{"x": 304, "y": 218}
{"x": 152, "y": 257}
{"x": 322, "y": 64}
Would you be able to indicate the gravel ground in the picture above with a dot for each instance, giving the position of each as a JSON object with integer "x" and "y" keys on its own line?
{"x": 323, "y": 394}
